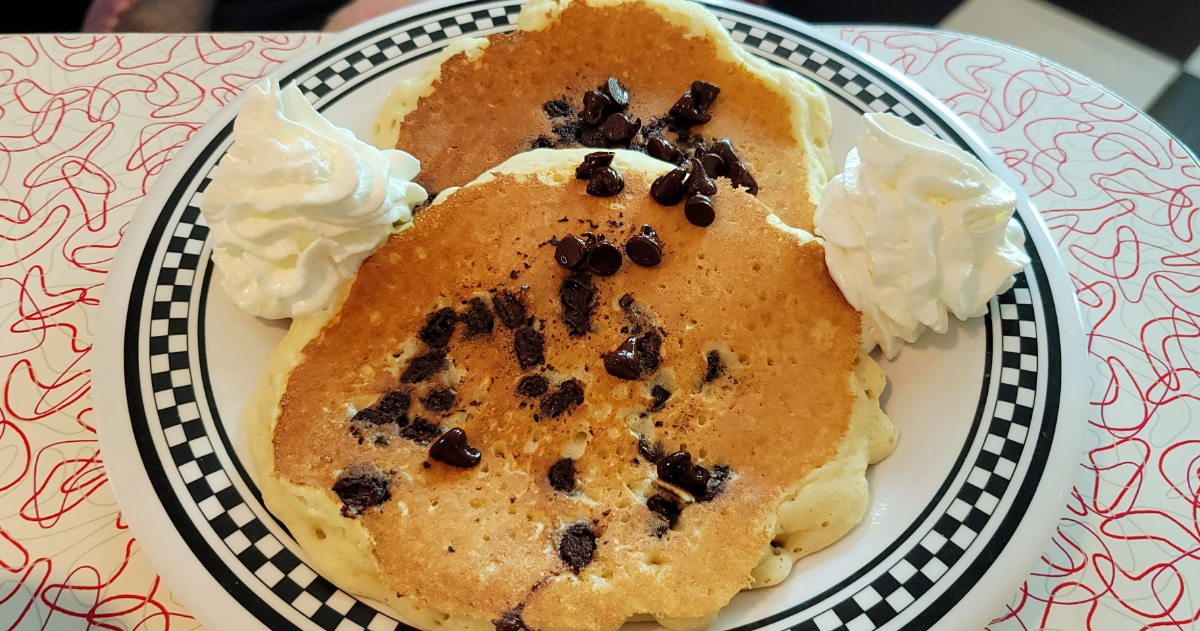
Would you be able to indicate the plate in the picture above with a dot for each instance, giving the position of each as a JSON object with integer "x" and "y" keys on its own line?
{"x": 990, "y": 413}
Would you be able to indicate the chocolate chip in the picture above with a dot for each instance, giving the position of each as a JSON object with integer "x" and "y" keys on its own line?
{"x": 715, "y": 367}
{"x": 678, "y": 469}
{"x": 595, "y": 106}
{"x": 510, "y": 308}
{"x": 667, "y": 509}
{"x": 557, "y": 108}
{"x": 577, "y": 295}
{"x": 479, "y": 318}
{"x": 616, "y": 93}
{"x": 593, "y": 161}
{"x": 625, "y": 301}
{"x": 740, "y": 177}
{"x": 562, "y": 476}
{"x": 625, "y": 362}
{"x": 652, "y": 452}
{"x": 394, "y": 405}
{"x": 650, "y": 349}
{"x": 670, "y": 187}
{"x": 660, "y": 395}
{"x": 593, "y": 137}
{"x": 662, "y": 149}
{"x": 424, "y": 366}
{"x": 566, "y": 398}
{"x": 359, "y": 488}
{"x": 529, "y": 345}
{"x": 687, "y": 112}
{"x": 577, "y": 546}
{"x": 716, "y": 483}
{"x": 705, "y": 93}
{"x": 571, "y": 252}
{"x": 699, "y": 210}
{"x": 644, "y": 248}
{"x": 724, "y": 149}
{"x": 541, "y": 142}
{"x": 439, "y": 328}
{"x": 420, "y": 431}
{"x": 511, "y": 620}
{"x": 532, "y": 386}
{"x": 620, "y": 128}
{"x": 604, "y": 258}
{"x": 605, "y": 182}
{"x": 439, "y": 400}
{"x": 698, "y": 180}
{"x": 452, "y": 449}
{"x": 567, "y": 132}
{"x": 713, "y": 165}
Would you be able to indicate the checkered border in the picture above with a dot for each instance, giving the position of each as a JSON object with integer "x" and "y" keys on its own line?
{"x": 232, "y": 519}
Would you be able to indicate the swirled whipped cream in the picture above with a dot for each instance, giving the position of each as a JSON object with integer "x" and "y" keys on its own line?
{"x": 297, "y": 204}
{"x": 916, "y": 229}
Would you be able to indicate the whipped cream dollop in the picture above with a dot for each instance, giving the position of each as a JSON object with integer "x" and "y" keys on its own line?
{"x": 916, "y": 229}
{"x": 297, "y": 204}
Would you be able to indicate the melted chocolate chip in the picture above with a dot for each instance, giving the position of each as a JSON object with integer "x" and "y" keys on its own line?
{"x": 667, "y": 510}
{"x": 362, "y": 489}
{"x": 439, "y": 328}
{"x": 699, "y": 210}
{"x": 662, "y": 149}
{"x": 604, "y": 258}
{"x": 644, "y": 248}
{"x": 605, "y": 182}
{"x": 557, "y": 108}
{"x": 716, "y": 483}
{"x": 529, "y": 344}
{"x": 616, "y": 93}
{"x": 593, "y": 161}
{"x": 564, "y": 399}
{"x": 479, "y": 318}
{"x": 571, "y": 252}
{"x": 678, "y": 469}
{"x": 715, "y": 367}
{"x": 511, "y": 620}
{"x": 670, "y": 187}
{"x": 625, "y": 362}
{"x": 532, "y": 386}
{"x": 420, "y": 431}
{"x": 562, "y": 476}
{"x": 619, "y": 128}
{"x": 713, "y": 165}
{"x": 650, "y": 348}
{"x": 424, "y": 366}
{"x": 652, "y": 452}
{"x": 510, "y": 308}
{"x": 740, "y": 177}
{"x": 439, "y": 400}
{"x": 452, "y": 449}
{"x": 660, "y": 395}
{"x": 577, "y": 546}
{"x": 698, "y": 180}
{"x": 577, "y": 295}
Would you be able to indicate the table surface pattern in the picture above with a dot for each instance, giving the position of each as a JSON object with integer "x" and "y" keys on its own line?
{"x": 88, "y": 122}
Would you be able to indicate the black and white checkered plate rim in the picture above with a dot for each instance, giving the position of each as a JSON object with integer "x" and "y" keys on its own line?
{"x": 213, "y": 502}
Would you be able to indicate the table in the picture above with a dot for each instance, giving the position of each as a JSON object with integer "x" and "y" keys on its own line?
{"x": 87, "y": 123}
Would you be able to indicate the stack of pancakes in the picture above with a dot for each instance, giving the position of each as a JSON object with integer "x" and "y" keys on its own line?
{"x": 451, "y": 436}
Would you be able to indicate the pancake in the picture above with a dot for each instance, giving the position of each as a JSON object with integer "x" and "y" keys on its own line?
{"x": 487, "y": 98}
{"x": 579, "y": 513}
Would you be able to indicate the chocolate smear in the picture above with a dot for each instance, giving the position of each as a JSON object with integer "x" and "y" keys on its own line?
{"x": 564, "y": 399}
{"x": 439, "y": 328}
{"x": 562, "y": 476}
{"x": 360, "y": 488}
{"x": 424, "y": 366}
{"x": 532, "y": 386}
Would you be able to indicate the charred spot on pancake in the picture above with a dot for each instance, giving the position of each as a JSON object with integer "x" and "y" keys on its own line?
{"x": 659, "y": 395}
{"x": 541, "y": 142}
{"x": 678, "y": 469}
{"x": 562, "y": 476}
{"x": 439, "y": 328}
{"x": 564, "y": 399}
{"x": 577, "y": 546}
{"x": 420, "y": 431}
{"x": 360, "y": 487}
{"x": 478, "y": 318}
{"x": 439, "y": 400}
{"x": 717, "y": 478}
{"x": 424, "y": 366}
{"x": 577, "y": 295}
{"x": 510, "y": 308}
{"x": 665, "y": 510}
{"x": 532, "y": 386}
{"x": 511, "y": 620}
{"x": 529, "y": 345}
{"x": 714, "y": 368}
{"x": 652, "y": 452}
{"x": 557, "y": 108}
{"x": 453, "y": 449}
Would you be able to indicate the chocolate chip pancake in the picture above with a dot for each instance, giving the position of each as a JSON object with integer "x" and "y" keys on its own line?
{"x": 614, "y": 73}
{"x": 555, "y": 403}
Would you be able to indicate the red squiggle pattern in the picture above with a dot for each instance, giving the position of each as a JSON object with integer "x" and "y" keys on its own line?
{"x": 1120, "y": 197}
{"x": 86, "y": 123}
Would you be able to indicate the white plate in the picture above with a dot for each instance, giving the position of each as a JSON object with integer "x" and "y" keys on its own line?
{"x": 990, "y": 413}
